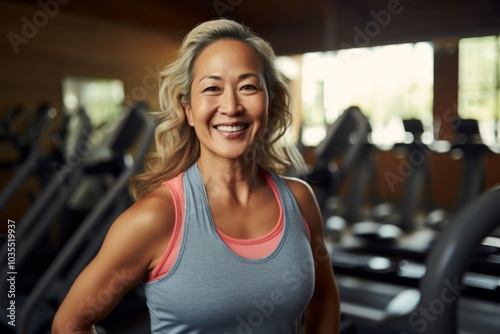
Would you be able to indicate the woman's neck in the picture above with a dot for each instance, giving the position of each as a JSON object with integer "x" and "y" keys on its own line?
{"x": 230, "y": 180}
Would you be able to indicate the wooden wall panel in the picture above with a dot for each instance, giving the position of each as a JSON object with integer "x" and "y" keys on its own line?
{"x": 69, "y": 44}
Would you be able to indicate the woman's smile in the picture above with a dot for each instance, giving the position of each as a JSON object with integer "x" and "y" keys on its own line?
{"x": 231, "y": 131}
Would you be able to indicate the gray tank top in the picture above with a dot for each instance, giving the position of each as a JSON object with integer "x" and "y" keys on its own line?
{"x": 211, "y": 289}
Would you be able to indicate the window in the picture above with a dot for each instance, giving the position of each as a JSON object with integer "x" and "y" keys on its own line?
{"x": 388, "y": 83}
{"x": 479, "y": 84}
{"x": 102, "y": 99}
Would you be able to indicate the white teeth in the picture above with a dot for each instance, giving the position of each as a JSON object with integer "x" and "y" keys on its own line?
{"x": 227, "y": 128}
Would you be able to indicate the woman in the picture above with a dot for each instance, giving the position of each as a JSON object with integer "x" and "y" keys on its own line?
{"x": 222, "y": 244}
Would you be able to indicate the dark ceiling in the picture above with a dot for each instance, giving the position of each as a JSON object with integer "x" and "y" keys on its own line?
{"x": 295, "y": 26}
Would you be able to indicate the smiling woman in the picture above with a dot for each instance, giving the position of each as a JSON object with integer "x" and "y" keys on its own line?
{"x": 229, "y": 100}
{"x": 178, "y": 139}
{"x": 216, "y": 235}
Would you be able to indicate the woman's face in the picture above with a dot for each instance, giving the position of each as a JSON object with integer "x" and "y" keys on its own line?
{"x": 229, "y": 100}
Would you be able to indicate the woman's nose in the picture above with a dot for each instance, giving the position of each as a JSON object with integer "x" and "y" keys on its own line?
{"x": 229, "y": 103}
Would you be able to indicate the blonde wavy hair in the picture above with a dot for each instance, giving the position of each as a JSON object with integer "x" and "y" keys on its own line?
{"x": 176, "y": 145}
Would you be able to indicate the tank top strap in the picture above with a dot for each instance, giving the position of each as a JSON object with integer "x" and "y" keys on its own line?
{"x": 288, "y": 201}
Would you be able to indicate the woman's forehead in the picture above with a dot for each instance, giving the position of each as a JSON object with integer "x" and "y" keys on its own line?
{"x": 227, "y": 55}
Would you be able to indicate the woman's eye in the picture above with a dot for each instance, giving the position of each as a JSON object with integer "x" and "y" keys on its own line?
{"x": 211, "y": 89}
{"x": 248, "y": 87}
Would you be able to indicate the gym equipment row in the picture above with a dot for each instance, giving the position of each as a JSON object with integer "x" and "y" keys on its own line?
{"x": 65, "y": 224}
{"x": 396, "y": 273}
{"x": 392, "y": 258}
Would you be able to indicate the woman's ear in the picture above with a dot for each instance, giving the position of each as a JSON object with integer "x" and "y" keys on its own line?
{"x": 189, "y": 113}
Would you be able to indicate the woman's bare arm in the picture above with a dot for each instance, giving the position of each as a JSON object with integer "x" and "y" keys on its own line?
{"x": 132, "y": 246}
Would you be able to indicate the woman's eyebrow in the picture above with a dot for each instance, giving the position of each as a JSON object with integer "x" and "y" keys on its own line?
{"x": 248, "y": 75}
{"x": 240, "y": 77}
{"x": 212, "y": 76}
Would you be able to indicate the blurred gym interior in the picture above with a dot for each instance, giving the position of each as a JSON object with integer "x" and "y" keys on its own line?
{"x": 396, "y": 112}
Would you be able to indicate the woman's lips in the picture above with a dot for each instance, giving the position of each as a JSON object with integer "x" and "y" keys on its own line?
{"x": 231, "y": 130}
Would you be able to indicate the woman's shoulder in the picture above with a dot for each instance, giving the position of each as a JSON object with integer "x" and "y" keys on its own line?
{"x": 152, "y": 214}
{"x": 156, "y": 203}
{"x": 138, "y": 235}
{"x": 300, "y": 188}
{"x": 304, "y": 195}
